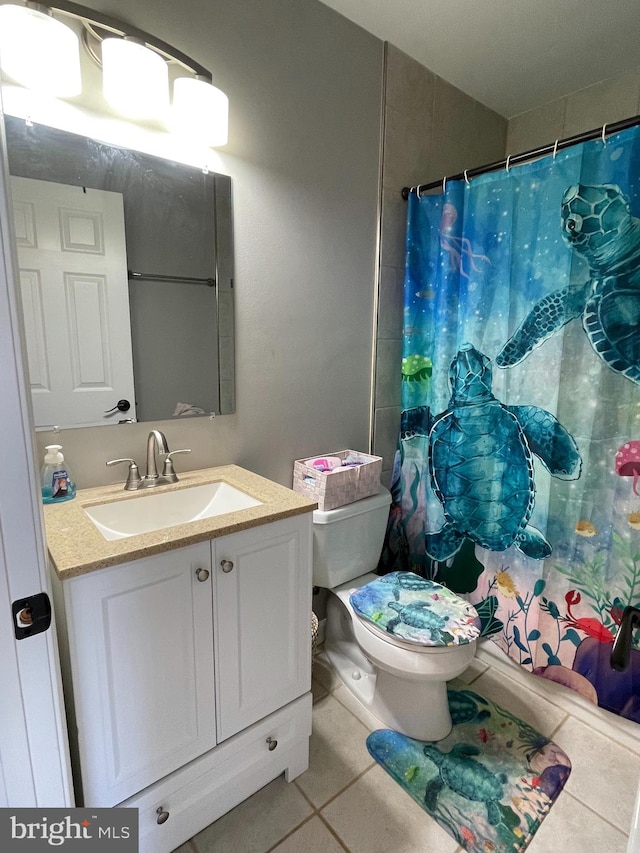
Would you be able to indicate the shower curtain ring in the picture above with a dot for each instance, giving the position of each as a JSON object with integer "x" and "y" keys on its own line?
{"x": 604, "y": 128}
{"x": 507, "y": 163}
{"x": 418, "y": 190}
{"x": 466, "y": 178}
{"x": 444, "y": 184}
{"x": 555, "y": 149}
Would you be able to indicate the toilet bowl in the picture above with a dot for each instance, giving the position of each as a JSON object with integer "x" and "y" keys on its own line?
{"x": 398, "y": 672}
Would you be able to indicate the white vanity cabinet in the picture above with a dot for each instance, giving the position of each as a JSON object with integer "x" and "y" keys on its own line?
{"x": 188, "y": 674}
{"x": 141, "y": 662}
{"x": 262, "y": 627}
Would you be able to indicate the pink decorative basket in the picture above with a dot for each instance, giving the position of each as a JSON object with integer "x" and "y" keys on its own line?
{"x": 340, "y": 486}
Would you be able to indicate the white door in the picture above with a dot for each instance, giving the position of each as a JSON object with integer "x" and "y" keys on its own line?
{"x": 141, "y": 652}
{"x": 262, "y": 621}
{"x": 75, "y": 296}
{"x": 34, "y": 755}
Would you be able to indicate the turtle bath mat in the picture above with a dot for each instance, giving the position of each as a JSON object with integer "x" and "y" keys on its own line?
{"x": 489, "y": 783}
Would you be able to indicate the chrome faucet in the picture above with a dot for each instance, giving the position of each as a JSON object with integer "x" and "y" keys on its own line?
{"x": 156, "y": 443}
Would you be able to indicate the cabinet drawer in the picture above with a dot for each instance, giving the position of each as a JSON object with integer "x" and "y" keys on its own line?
{"x": 203, "y": 790}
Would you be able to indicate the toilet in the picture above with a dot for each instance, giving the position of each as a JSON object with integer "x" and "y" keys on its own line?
{"x": 394, "y": 640}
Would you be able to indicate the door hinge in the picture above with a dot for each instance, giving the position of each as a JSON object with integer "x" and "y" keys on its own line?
{"x": 31, "y": 615}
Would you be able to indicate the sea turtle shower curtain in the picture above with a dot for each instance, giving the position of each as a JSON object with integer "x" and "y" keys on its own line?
{"x": 516, "y": 482}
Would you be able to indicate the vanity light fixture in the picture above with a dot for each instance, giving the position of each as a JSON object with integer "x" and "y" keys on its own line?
{"x": 38, "y": 51}
{"x": 41, "y": 52}
{"x": 135, "y": 79}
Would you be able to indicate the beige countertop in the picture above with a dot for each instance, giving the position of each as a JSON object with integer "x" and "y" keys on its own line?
{"x": 77, "y": 547}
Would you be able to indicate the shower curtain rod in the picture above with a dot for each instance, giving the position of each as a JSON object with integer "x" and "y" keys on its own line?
{"x": 515, "y": 159}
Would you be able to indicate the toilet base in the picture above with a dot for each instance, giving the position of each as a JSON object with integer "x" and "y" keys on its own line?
{"x": 417, "y": 708}
{"x": 423, "y": 710}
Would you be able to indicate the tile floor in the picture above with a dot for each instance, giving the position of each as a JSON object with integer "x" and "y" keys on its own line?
{"x": 346, "y": 802}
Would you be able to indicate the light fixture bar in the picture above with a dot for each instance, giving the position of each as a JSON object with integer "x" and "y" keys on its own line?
{"x": 120, "y": 28}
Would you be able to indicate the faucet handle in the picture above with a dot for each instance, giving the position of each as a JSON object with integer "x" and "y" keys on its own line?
{"x": 133, "y": 478}
{"x": 168, "y": 470}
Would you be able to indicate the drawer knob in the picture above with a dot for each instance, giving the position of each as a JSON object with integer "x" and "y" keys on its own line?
{"x": 227, "y": 566}
{"x": 202, "y": 575}
{"x": 272, "y": 743}
{"x": 163, "y": 816}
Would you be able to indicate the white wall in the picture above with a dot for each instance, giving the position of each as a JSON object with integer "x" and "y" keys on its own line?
{"x": 305, "y": 97}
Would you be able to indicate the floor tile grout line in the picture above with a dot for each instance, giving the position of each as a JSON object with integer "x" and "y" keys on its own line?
{"x": 346, "y": 787}
{"x": 503, "y": 669}
{"x": 554, "y": 732}
{"x": 313, "y": 806}
{"x": 334, "y": 833}
{"x": 610, "y": 737}
{"x": 347, "y": 708}
{"x": 291, "y": 832}
{"x": 477, "y": 676}
{"x": 545, "y": 698}
{"x": 501, "y": 672}
{"x": 594, "y": 812}
{"x": 353, "y": 714}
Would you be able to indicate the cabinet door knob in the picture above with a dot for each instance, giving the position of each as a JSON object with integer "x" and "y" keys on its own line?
{"x": 202, "y": 575}
{"x": 163, "y": 816}
{"x": 272, "y": 743}
{"x": 227, "y": 565}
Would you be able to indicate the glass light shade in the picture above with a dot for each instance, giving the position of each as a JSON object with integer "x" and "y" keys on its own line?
{"x": 135, "y": 79}
{"x": 200, "y": 110}
{"x": 39, "y": 52}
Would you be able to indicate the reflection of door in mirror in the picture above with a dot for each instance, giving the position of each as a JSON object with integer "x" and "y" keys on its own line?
{"x": 179, "y": 247}
{"x": 73, "y": 275}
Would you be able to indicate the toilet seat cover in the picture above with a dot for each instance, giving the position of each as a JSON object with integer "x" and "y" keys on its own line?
{"x": 416, "y": 610}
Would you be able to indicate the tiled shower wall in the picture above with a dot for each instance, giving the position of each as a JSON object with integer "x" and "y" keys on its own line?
{"x": 603, "y": 103}
{"x": 431, "y": 130}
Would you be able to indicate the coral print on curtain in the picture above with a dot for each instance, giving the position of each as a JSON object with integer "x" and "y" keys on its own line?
{"x": 516, "y": 478}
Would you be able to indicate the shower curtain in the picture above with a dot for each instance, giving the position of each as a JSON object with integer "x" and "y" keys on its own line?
{"x": 516, "y": 479}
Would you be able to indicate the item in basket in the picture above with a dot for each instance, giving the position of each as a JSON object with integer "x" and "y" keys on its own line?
{"x": 352, "y": 461}
{"x": 324, "y": 463}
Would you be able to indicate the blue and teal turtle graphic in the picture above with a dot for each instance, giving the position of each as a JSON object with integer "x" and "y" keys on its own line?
{"x": 597, "y": 223}
{"x": 405, "y": 580}
{"x": 481, "y": 463}
{"x": 418, "y": 614}
{"x": 461, "y": 773}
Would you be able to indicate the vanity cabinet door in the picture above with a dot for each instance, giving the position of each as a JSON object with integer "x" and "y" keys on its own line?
{"x": 140, "y": 644}
{"x": 262, "y": 621}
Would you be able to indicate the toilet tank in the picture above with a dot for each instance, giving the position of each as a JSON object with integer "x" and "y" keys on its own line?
{"x": 347, "y": 541}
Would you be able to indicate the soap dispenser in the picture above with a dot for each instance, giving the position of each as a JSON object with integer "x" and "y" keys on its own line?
{"x": 55, "y": 478}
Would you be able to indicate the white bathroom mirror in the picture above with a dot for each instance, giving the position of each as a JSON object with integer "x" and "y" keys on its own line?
{"x": 164, "y": 349}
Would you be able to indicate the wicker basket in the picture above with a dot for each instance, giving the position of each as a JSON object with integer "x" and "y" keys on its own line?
{"x": 340, "y": 486}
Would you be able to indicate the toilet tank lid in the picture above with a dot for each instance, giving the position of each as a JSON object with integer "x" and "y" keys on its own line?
{"x": 381, "y": 499}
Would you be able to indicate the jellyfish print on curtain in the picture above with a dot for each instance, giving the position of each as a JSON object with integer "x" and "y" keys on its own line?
{"x": 516, "y": 477}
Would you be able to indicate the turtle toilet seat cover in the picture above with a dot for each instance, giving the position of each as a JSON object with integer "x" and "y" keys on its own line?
{"x": 416, "y": 610}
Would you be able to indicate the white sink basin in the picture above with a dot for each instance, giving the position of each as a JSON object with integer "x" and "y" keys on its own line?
{"x": 120, "y": 519}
